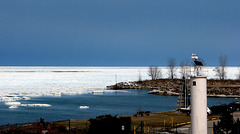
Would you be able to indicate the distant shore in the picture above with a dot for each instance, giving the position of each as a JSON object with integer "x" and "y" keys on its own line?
{"x": 171, "y": 87}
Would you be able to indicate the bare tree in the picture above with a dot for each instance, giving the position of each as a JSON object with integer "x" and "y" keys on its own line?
{"x": 184, "y": 68}
{"x": 172, "y": 67}
{"x": 220, "y": 71}
{"x": 154, "y": 72}
{"x": 139, "y": 76}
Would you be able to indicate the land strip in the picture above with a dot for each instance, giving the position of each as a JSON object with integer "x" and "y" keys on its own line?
{"x": 215, "y": 88}
{"x": 159, "y": 121}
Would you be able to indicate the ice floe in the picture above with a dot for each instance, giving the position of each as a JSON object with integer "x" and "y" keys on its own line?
{"x": 26, "y": 98}
{"x": 17, "y": 104}
{"x": 12, "y": 107}
{"x": 98, "y": 92}
{"x": 36, "y": 105}
{"x": 13, "y": 103}
{"x": 84, "y": 107}
{"x": 8, "y": 98}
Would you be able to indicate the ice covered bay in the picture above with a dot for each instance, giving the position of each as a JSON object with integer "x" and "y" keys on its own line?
{"x": 54, "y": 81}
{"x": 45, "y": 81}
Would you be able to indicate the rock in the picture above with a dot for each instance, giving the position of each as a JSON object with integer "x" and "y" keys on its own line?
{"x": 172, "y": 86}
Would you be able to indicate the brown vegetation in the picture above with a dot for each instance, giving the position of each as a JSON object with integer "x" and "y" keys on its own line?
{"x": 214, "y": 87}
{"x": 162, "y": 119}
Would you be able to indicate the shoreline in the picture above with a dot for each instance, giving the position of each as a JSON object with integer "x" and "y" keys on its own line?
{"x": 168, "y": 119}
{"x": 160, "y": 119}
{"x": 168, "y": 93}
{"x": 171, "y": 87}
{"x": 224, "y": 96}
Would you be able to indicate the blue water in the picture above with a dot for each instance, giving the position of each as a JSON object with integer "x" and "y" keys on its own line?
{"x": 115, "y": 103}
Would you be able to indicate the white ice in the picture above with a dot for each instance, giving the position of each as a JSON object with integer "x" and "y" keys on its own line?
{"x": 84, "y": 107}
{"x": 36, "y": 105}
{"x": 12, "y": 103}
{"x": 18, "y": 83}
{"x": 13, "y": 107}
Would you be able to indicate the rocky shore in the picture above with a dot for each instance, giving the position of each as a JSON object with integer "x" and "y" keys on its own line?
{"x": 215, "y": 88}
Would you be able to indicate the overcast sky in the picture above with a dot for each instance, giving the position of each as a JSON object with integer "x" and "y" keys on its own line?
{"x": 118, "y": 32}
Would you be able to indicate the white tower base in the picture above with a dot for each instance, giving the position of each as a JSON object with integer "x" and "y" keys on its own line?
{"x": 198, "y": 105}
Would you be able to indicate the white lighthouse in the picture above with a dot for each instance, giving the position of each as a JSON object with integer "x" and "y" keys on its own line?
{"x": 198, "y": 99}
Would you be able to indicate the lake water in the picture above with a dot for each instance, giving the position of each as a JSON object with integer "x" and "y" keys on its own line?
{"x": 66, "y": 107}
{"x": 65, "y": 89}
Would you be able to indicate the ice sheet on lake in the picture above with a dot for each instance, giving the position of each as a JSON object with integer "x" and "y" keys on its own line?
{"x": 55, "y": 81}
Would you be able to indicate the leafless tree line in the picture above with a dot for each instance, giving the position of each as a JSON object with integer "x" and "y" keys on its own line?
{"x": 172, "y": 67}
{"x": 155, "y": 73}
{"x": 221, "y": 70}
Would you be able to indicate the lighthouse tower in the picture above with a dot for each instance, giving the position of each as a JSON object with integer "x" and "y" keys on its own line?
{"x": 198, "y": 99}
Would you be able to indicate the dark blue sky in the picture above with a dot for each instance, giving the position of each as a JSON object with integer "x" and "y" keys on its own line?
{"x": 118, "y": 33}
